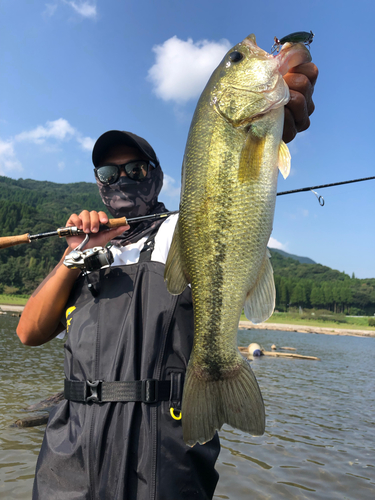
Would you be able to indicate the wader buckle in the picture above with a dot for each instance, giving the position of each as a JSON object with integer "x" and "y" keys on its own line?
{"x": 92, "y": 391}
{"x": 149, "y": 391}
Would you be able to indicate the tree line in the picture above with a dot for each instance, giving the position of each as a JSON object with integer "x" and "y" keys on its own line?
{"x": 28, "y": 206}
{"x": 320, "y": 287}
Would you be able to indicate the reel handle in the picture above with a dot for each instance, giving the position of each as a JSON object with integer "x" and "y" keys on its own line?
{"x": 11, "y": 241}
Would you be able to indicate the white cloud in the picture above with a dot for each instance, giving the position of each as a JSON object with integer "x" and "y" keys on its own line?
{"x": 299, "y": 140}
{"x": 170, "y": 188}
{"x": 84, "y": 8}
{"x": 50, "y": 9}
{"x": 8, "y": 160}
{"x": 272, "y": 243}
{"x": 58, "y": 129}
{"x": 182, "y": 68}
{"x": 86, "y": 143}
{"x": 49, "y": 136}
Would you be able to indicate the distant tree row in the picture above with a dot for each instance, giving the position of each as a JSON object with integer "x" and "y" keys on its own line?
{"x": 317, "y": 286}
{"x": 28, "y": 206}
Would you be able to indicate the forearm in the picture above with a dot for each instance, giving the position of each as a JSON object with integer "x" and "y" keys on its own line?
{"x": 40, "y": 320}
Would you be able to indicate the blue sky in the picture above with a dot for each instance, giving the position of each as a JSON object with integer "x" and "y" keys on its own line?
{"x": 71, "y": 70}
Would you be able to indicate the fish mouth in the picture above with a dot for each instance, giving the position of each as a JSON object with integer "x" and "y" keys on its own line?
{"x": 256, "y": 51}
{"x": 291, "y": 55}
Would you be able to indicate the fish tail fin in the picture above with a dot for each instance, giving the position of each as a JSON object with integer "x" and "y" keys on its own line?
{"x": 234, "y": 399}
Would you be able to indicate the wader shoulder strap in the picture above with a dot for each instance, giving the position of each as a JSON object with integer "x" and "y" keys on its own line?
{"x": 148, "y": 248}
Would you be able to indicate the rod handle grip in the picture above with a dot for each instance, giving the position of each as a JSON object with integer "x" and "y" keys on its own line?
{"x": 11, "y": 241}
{"x": 113, "y": 223}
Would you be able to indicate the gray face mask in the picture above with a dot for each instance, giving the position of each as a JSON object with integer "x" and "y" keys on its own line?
{"x": 129, "y": 198}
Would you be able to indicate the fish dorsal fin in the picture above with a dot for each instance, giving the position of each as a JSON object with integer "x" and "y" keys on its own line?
{"x": 260, "y": 301}
{"x": 174, "y": 274}
{"x": 284, "y": 159}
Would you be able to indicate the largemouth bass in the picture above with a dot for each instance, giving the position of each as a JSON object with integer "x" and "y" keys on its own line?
{"x": 229, "y": 179}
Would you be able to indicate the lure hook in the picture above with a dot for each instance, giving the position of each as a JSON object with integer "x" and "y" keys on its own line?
{"x": 320, "y": 198}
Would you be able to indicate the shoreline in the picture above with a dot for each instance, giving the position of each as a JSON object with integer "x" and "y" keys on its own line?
{"x": 247, "y": 325}
{"x": 5, "y": 308}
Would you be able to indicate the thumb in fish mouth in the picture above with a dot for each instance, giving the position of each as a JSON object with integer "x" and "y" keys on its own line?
{"x": 292, "y": 55}
{"x": 301, "y": 81}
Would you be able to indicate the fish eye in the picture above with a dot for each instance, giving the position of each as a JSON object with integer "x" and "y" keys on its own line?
{"x": 235, "y": 56}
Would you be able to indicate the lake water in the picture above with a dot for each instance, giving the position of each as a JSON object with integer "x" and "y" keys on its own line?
{"x": 320, "y": 432}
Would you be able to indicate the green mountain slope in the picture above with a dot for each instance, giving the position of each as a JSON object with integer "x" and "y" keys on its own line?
{"x": 28, "y": 206}
{"x": 302, "y": 260}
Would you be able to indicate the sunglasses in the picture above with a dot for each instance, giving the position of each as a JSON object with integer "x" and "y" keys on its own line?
{"x": 136, "y": 170}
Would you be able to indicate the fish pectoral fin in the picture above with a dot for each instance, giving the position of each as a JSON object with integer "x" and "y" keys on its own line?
{"x": 174, "y": 274}
{"x": 251, "y": 158}
{"x": 260, "y": 301}
{"x": 284, "y": 159}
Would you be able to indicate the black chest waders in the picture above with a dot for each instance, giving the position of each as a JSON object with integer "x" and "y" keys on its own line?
{"x": 115, "y": 437}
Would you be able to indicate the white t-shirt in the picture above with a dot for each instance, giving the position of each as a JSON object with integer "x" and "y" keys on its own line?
{"x": 129, "y": 254}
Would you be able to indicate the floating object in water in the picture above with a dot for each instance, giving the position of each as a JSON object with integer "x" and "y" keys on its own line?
{"x": 46, "y": 405}
{"x": 31, "y": 421}
{"x": 289, "y": 355}
{"x": 245, "y": 351}
{"x": 255, "y": 350}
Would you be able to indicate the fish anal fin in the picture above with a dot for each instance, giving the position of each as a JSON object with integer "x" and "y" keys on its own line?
{"x": 233, "y": 399}
{"x": 260, "y": 301}
{"x": 174, "y": 274}
{"x": 284, "y": 159}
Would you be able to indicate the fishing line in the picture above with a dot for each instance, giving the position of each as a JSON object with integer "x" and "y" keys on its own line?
{"x": 320, "y": 198}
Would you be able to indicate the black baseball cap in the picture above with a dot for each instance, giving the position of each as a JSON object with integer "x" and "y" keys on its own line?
{"x": 116, "y": 137}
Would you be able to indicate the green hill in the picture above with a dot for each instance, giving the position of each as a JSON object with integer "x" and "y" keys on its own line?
{"x": 302, "y": 260}
{"x": 28, "y": 206}
{"x": 317, "y": 286}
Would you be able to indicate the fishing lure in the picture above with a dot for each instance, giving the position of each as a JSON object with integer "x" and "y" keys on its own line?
{"x": 297, "y": 37}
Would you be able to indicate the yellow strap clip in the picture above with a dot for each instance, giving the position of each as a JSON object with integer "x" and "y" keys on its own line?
{"x": 175, "y": 417}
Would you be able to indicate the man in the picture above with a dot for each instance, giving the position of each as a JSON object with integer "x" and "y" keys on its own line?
{"x": 118, "y": 434}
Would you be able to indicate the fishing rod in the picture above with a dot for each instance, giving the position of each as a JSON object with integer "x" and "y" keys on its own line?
{"x": 320, "y": 198}
{"x": 10, "y": 241}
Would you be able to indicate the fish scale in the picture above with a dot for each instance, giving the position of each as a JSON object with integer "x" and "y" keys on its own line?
{"x": 229, "y": 180}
